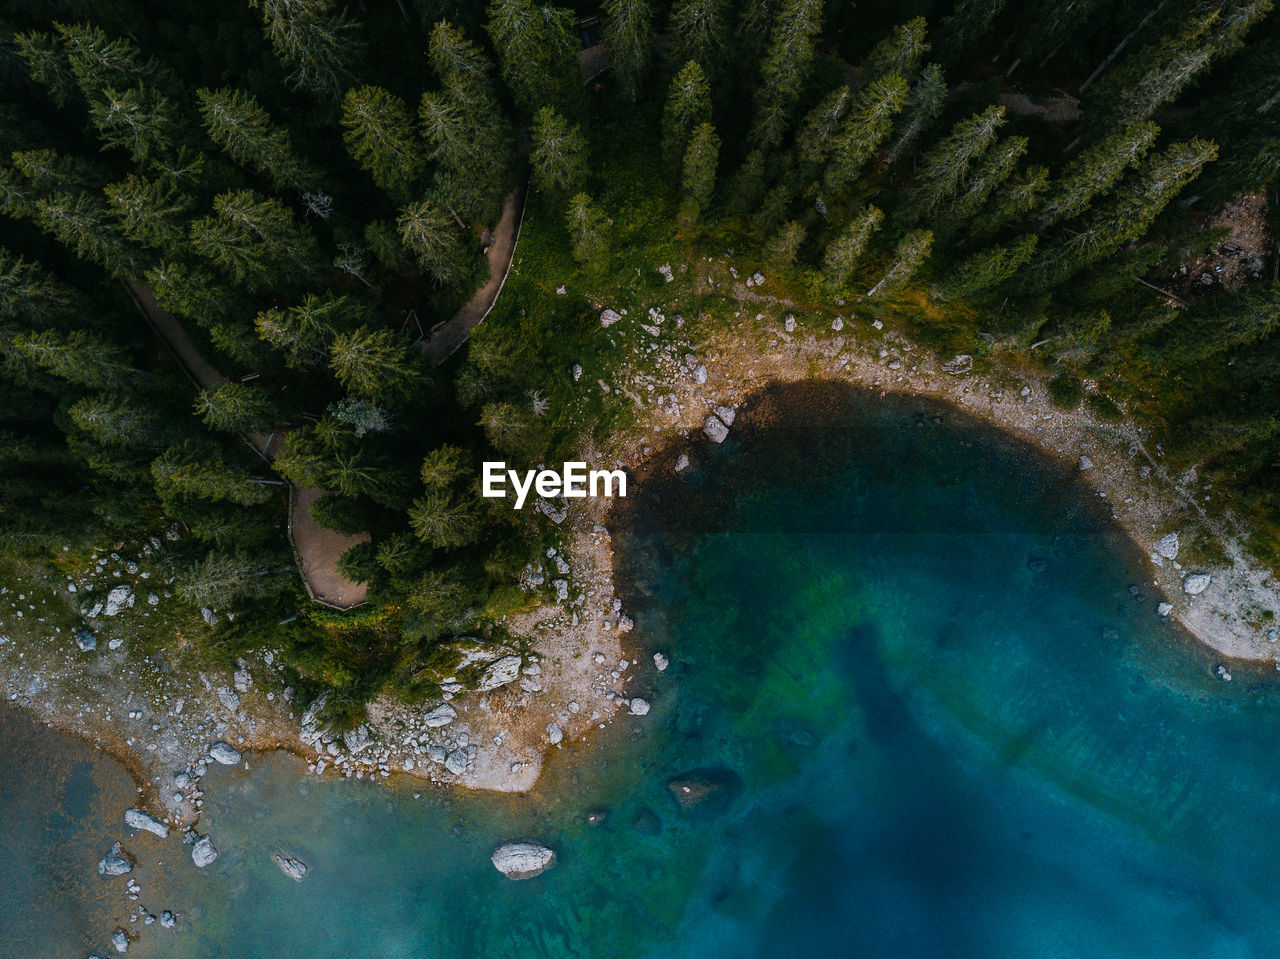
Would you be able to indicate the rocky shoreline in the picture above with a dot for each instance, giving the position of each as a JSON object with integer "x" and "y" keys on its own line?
{"x": 169, "y": 721}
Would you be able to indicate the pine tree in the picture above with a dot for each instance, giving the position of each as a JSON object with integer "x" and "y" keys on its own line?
{"x": 81, "y": 223}
{"x": 237, "y": 123}
{"x": 588, "y": 232}
{"x": 900, "y": 53}
{"x": 223, "y": 579}
{"x": 136, "y": 119}
{"x": 559, "y": 155}
{"x": 112, "y": 420}
{"x": 696, "y": 32}
{"x": 943, "y": 169}
{"x": 253, "y": 238}
{"x": 237, "y": 408}
{"x": 700, "y": 161}
{"x": 1016, "y": 198}
{"x": 29, "y": 294}
{"x": 688, "y": 106}
{"x": 150, "y": 212}
{"x": 913, "y": 249}
{"x": 1126, "y": 217}
{"x": 374, "y": 364}
{"x": 1153, "y": 76}
{"x": 192, "y": 470}
{"x": 783, "y": 247}
{"x": 480, "y": 147}
{"x": 445, "y": 520}
{"x": 47, "y": 64}
{"x": 1095, "y": 171}
{"x": 845, "y": 250}
{"x": 1219, "y": 324}
{"x": 378, "y": 131}
{"x": 993, "y": 169}
{"x": 816, "y": 136}
{"x": 539, "y": 54}
{"x": 869, "y": 122}
{"x": 303, "y": 333}
{"x": 785, "y": 69}
{"x": 319, "y": 44}
{"x": 628, "y": 37}
{"x": 989, "y": 268}
{"x": 430, "y": 234}
{"x": 924, "y": 106}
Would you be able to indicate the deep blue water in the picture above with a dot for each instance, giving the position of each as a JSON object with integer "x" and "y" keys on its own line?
{"x": 958, "y": 731}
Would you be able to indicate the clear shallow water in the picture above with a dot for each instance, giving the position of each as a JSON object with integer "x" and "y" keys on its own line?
{"x": 960, "y": 735}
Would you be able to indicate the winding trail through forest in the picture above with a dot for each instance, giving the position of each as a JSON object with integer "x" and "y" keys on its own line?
{"x": 446, "y": 338}
{"x": 316, "y": 548}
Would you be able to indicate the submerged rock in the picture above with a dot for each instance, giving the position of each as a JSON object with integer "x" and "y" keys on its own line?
{"x": 115, "y": 863}
{"x": 660, "y": 661}
{"x": 1164, "y": 609}
{"x": 203, "y": 852}
{"x": 167, "y": 919}
{"x": 86, "y": 640}
{"x": 707, "y": 792}
{"x": 639, "y": 707}
{"x": 295, "y": 869}
{"x": 120, "y": 940}
{"x": 225, "y": 753}
{"x": 137, "y": 819}
{"x": 522, "y": 860}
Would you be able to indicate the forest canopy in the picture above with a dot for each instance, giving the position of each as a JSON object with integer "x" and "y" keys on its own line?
{"x": 308, "y": 187}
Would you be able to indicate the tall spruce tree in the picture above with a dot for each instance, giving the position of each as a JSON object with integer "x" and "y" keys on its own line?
{"x": 688, "y": 106}
{"x": 628, "y": 36}
{"x": 785, "y": 68}
{"x": 539, "y": 54}
{"x": 559, "y": 155}
{"x": 378, "y": 130}
{"x": 319, "y": 44}
{"x": 237, "y": 123}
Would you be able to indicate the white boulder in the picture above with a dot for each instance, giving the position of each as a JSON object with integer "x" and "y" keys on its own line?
{"x": 522, "y": 860}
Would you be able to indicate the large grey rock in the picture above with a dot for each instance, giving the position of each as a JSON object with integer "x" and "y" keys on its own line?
{"x": 456, "y": 762}
{"x": 962, "y": 363}
{"x": 117, "y": 600}
{"x": 137, "y": 819}
{"x": 167, "y": 919}
{"x": 1164, "y": 609}
{"x": 1167, "y": 546}
{"x": 715, "y": 430}
{"x": 1196, "y": 583}
{"x": 203, "y": 852}
{"x": 501, "y": 672}
{"x": 609, "y": 317}
{"x": 120, "y": 940}
{"x": 242, "y": 681}
{"x": 86, "y": 640}
{"x": 225, "y": 753}
{"x": 295, "y": 869}
{"x": 115, "y": 862}
{"x": 229, "y": 698}
{"x": 555, "y": 735}
{"x": 442, "y": 715}
{"x": 522, "y": 860}
{"x": 639, "y": 707}
{"x": 357, "y": 739}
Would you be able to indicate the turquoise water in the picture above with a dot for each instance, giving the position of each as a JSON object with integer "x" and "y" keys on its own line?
{"x": 958, "y": 732}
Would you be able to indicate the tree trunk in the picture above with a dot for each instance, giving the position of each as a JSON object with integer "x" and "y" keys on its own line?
{"x": 1119, "y": 47}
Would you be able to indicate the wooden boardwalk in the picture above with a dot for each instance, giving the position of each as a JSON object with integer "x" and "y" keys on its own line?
{"x": 316, "y": 548}
{"x": 445, "y": 339}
